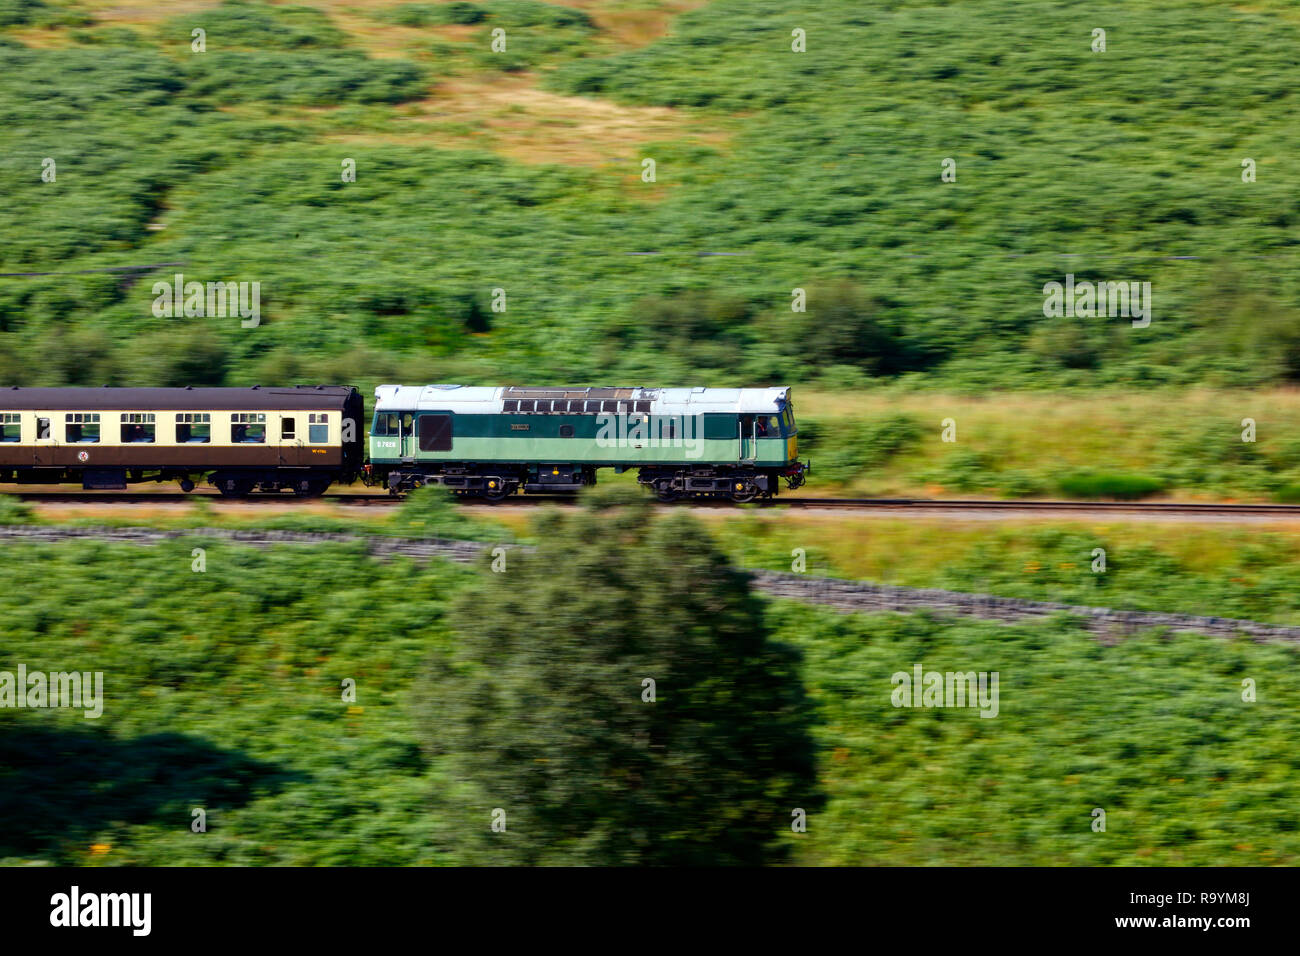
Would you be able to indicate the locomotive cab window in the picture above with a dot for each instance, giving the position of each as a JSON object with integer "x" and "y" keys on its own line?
{"x": 318, "y": 429}
{"x": 193, "y": 428}
{"x": 386, "y": 423}
{"x": 11, "y": 426}
{"x": 248, "y": 428}
{"x": 81, "y": 427}
{"x": 137, "y": 428}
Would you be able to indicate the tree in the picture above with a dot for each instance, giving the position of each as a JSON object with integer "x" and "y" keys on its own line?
{"x": 543, "y": 712}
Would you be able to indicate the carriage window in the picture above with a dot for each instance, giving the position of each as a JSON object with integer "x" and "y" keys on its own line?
{"x": 42, "y": 428}
{"x": 193, "y": 428}
{"x": 81, "y": 427}
{"x": 248, "y": 428}
{"x": 11, "y": 426}
{"x": 318, "y": 428}
{"x": 288, "y": 428}
{"x": 137, "y": 428}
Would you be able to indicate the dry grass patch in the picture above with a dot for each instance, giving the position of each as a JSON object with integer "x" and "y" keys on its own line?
{"x": 143, "y": 14}
{"x": 509, "y": 115}
{"x": 630, "y": 23}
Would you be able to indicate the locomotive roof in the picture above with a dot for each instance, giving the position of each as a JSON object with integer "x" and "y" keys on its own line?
{"x": 181, "y": 399}
{"x": 487, "y": 400}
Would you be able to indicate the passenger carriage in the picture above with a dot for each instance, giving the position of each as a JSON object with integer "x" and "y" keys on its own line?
{"x": 301, "y": 438}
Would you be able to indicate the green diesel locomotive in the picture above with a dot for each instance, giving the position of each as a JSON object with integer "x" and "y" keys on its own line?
{"x": 736, "y": 443}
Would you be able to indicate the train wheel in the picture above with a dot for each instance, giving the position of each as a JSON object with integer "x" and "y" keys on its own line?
{"x": 235, "y": 487}
{"x": 666, "y": 493}
{"x": 742, "y": 492}
{"x": 310, "y": 487}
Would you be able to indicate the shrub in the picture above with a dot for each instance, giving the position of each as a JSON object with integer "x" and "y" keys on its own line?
{"x": 432, "y": 511}
{"x": 1290, "y": 495}
{"x": 543, "y": 708}
{"x": 1103, "y": 485}
{"x": 14, "y": 510}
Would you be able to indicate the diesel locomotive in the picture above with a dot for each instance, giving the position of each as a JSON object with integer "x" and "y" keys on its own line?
{"x": 736, "y": 443}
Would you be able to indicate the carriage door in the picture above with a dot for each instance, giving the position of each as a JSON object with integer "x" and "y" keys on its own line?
{"x": 45, "y": 445}
{"x": 291, "y": 427}
{"x": 748, "y": 438}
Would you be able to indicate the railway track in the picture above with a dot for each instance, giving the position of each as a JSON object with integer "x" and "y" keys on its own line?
{"x": 912, "y": 505}
{"x": 1007, "y": 504}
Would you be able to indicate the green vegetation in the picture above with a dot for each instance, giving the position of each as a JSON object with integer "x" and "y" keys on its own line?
{"x": 1240, "y": 572}
{"x": 236, "y": 24}
{"x": 1091, "y": 484}
{"x": 1288, "y": 495}
{"x": 14, "y": 511}
{"x": 224, "y": 690}
{"x": 852, "y": 447}
{"x": 1107, "y": 443}
{"x": 1154, "y": 732}
{"x": 828, "y": 181}
{"x": 433, "y": 512}
{"x": 617, "y": 695}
